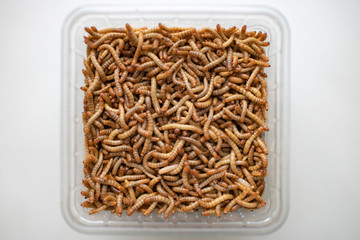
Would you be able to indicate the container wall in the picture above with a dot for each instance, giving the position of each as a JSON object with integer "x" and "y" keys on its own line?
{"x": 243, "y": 220}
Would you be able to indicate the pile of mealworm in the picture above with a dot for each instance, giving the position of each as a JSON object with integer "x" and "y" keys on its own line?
{"x": 173, "y": 120}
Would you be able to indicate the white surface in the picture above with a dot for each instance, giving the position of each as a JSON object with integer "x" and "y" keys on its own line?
{"x": 324, "y": 195}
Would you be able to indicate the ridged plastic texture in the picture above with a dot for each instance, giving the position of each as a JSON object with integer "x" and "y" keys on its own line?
{"x": 243, "y": 221}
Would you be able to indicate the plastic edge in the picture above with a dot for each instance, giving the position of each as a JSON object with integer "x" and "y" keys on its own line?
{"x": 64, "y": 181}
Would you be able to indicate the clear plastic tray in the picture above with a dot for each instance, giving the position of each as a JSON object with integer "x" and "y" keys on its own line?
{"x": 243, "y": 221}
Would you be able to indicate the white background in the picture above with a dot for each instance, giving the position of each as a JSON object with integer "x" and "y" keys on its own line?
{"x": 325, "y": 119}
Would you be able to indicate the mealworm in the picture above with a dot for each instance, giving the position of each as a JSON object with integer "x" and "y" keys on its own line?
{"x": 215, "y": 62}
{"x": 131, "y": 33}
{"x": 170, "y": 178}
{"x": 231, "y": 204}
{"x": 199, "y": 55}
{"x": 93, "y": 211}
{"x": 134, "y": 165}
{"x": 160, "y": 190}
{"x": 139, "y": 202}
{"x": 215, "y": 171}
{"x": 157, "y": 61}
{"x": 262, "y": 145}
{"x": 167, "y": 169}
{"x": 251, "y": 139}
{"x": 107, "y": 168}
{"x": 157, "y": 198}
{"x": 182, "y": 127}
{"x": 111, "y": 183}
{"x": 117, "y": 148}
{"x": 104, "y": 38}
{"x": 139, "y": 47}
{"x": 196, "y": 98}
{"x": 150, "y": 208}
{"x": 212, "y": 178}
{"x": 257, "y": 120}
{"x": 192, "y": 141}
{"x": 233, "y": 137}
{"x": 190, "y": 206}
{"x": 114, "y": 55}
{"x": 172, "y": 154}
{"x": 233, "y": 145}
{"x": 136, "y": 183}
{"x": 246, "y": 204}
{"x": 177, "y": 106}
{"x": 216, "y": 201}
{"x": 130, "y": 177}
{"x": 249, "y": 95}
{"x": 158, "y": 164}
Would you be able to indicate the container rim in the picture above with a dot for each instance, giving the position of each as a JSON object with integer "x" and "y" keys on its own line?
{"x": 285, "y": 134}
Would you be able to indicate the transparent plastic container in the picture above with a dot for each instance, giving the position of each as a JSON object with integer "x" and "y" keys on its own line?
{"x": 242, "y": 221}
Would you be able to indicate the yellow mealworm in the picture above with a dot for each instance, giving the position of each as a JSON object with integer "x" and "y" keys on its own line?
{"x": 157, "y": 198}
{"x": 126, "y": 134}
{"x": 177, "y": 106}
{"x": 130, "y": 177}
{"x": 251, "y": 139}
{"x": 216, "y": 201}
{"x": 249, "y": 95}
{"x": 190, "y": 207}
{"x": 168, "y": 169}
{"x": 183, "y": 33}
{"x": 150, "y": 208}
{"x": 114, "y": 54}
{"x": 132, "y": 35}
{"x": 257, "y": 120}
{"x": 180, "y": 190}
{"x": 104, "y": 38}
{"x": 134, "y": 165}
{"x": 170, "y": 208}
{"x": 212, "y": 178}
{"x": 185, "y": 180}
{"x": 93, "y": 211}
{"x": 262, "y": 145}
{"x": 160, "y": 190}
{"x": 158, "y": 164}
{"x": 157, "y": 61}
{"x": 182, "y": 127}
{"x": 111, "y": 183}
{"x": 107, "y": 168}
{"x": 215, "y": 171}
{"x": 233, "y": 137}
{"x": 128, "y": 94}
{"x": 139, "y": 47}
{"x": 119, "y": 207}
{"x": 246, "y": 204}
{"x": 117, "y": 148}
{"x": 232, "y": 145}
{"x": 136, "y": 183}
{"x": 215, "y": 62}
{"x": 97, "y": 165}
{"x": 231, "y": 204}
{"x": 154, "y": 181}
{"x": 153, "y": 95}
{"x": 170, "y": 178}
{"x": 207, "y": 123}
{"x": 139, "y": 202}
{"x": 208, "y": 212}
{"x": 172, "y": 154}
{"x": 211, "y": 149}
